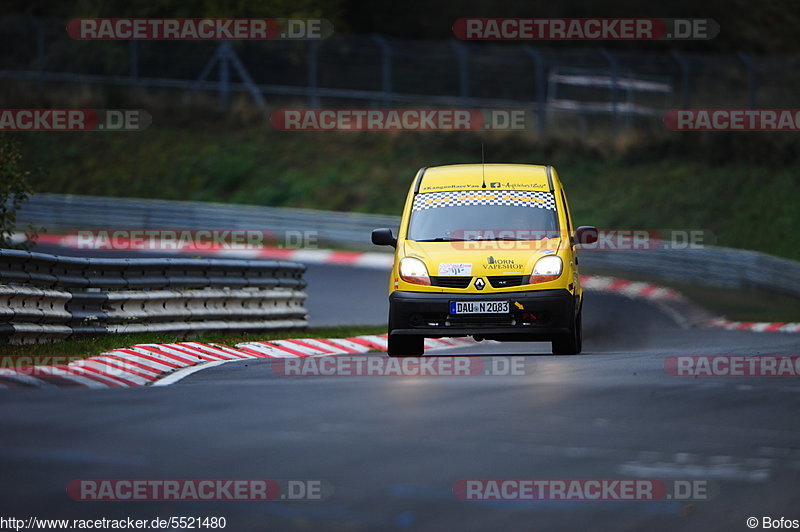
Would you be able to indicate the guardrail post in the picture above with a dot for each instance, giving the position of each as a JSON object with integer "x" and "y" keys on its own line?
{"x": 386, "y": 69}
{"x": 463, "y": 70}
{"x": 541, "y": 88}
{"x": 752, "y": 81}
{"x": 313, "y": 74}
{"x": 685, "y": 77}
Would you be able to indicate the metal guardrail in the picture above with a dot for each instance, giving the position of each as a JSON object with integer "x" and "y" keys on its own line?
{"x": 45, "y": 297}
{"x": 58, "y": 212}
{"x": 711, "y": 265}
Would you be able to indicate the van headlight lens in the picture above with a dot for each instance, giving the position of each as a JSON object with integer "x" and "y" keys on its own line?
{"x": 414, "y": 271}
{"x": 547, "y": 269}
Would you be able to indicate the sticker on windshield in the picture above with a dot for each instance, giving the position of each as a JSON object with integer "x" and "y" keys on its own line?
{"x": 455, "y": 268}
{"x": 505, "y": 198}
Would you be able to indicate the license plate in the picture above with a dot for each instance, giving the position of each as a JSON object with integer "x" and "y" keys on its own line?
{"x": 479, "y": 307}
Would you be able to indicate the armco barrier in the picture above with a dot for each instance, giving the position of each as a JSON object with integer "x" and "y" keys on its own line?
{"x": 58, "y": 212}
{"x": 711, "y": 265}
{"x": 45, "y": 297}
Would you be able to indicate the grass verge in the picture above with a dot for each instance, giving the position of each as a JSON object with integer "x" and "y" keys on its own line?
{"x": 65, "y": 351}
{"x": 741, "y": 188}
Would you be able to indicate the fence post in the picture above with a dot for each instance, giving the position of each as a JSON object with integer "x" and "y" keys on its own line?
{"x": 685, "y": 77}
{"x": 541, "y": 88}
{"x": 313, "y": 74}
{"x": 463, "y": 70}
{"x": 752, "y": 82}
{"x": 134, "y": 61}
{"x": 386, "y": 69}
{"x": 207, "y": 69}
{"x": 612, "y": 62}
{"x": 224, "y": 77}
{"x": 39, "y": 51}
{"x": 225, "y": 56}
{"x": 255, "y": 92}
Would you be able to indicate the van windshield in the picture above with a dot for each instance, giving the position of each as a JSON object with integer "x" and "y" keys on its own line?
{"x": 483, "y": 215}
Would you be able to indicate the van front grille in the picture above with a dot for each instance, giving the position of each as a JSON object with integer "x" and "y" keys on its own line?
{"x": 504, "y": 281}
{"x": 451, "y": 282}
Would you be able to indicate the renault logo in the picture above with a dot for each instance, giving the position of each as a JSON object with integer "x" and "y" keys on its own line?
{"x": 479, "y": 283}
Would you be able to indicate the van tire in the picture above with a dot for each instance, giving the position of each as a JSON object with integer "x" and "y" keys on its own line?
{"x": 571, "y": 343}
{"x": 406, "y": 346}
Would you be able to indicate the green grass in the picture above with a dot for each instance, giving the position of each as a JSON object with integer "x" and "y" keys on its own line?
{"x": 743, "y": 188}
{"x": 64, "y": 351}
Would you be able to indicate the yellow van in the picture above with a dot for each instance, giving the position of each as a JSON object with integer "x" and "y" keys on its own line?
{"x": 488, "y": 251}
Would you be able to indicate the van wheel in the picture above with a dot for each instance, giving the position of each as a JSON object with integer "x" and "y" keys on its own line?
{"x": 406, "y": 346}
{"x": 571, "y": 343}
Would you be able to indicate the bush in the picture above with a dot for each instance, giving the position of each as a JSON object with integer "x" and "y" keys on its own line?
{"x": 14, "y": 190}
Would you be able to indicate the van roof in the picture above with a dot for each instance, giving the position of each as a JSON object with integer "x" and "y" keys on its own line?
{"x": 497, "y": 176}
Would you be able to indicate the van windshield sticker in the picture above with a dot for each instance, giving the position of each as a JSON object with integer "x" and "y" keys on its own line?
{"x": 462, "y": 198}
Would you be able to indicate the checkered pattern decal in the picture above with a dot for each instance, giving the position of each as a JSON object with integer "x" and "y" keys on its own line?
{"x": 461, "y": 198}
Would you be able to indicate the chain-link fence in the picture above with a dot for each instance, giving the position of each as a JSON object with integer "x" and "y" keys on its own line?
{"x": 560, "y": 86}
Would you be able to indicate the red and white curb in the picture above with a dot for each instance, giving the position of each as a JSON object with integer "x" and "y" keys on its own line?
{"x": 163, "y": 364}
{"x": 662, "y": 294}
{"x": 659, "y": 294}
{"x": 755, "y": 326}
{"x": 633, "y": 289}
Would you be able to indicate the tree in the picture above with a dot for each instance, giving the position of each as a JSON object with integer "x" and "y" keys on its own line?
{"x": 14, "y": 190}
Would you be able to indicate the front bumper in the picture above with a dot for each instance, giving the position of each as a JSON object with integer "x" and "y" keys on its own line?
{"x": 543, "y": 315}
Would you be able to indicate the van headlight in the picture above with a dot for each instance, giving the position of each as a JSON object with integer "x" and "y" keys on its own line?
{"x": 547, "y": 269}
{"x": 414, "y": 271}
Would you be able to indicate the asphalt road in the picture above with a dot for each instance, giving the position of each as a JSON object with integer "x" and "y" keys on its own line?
{"x": 392, "y": 448}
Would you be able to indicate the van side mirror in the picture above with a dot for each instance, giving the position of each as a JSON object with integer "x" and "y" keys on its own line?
{"x": 383, "y": 237}
{"x": 586, "y": 234}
